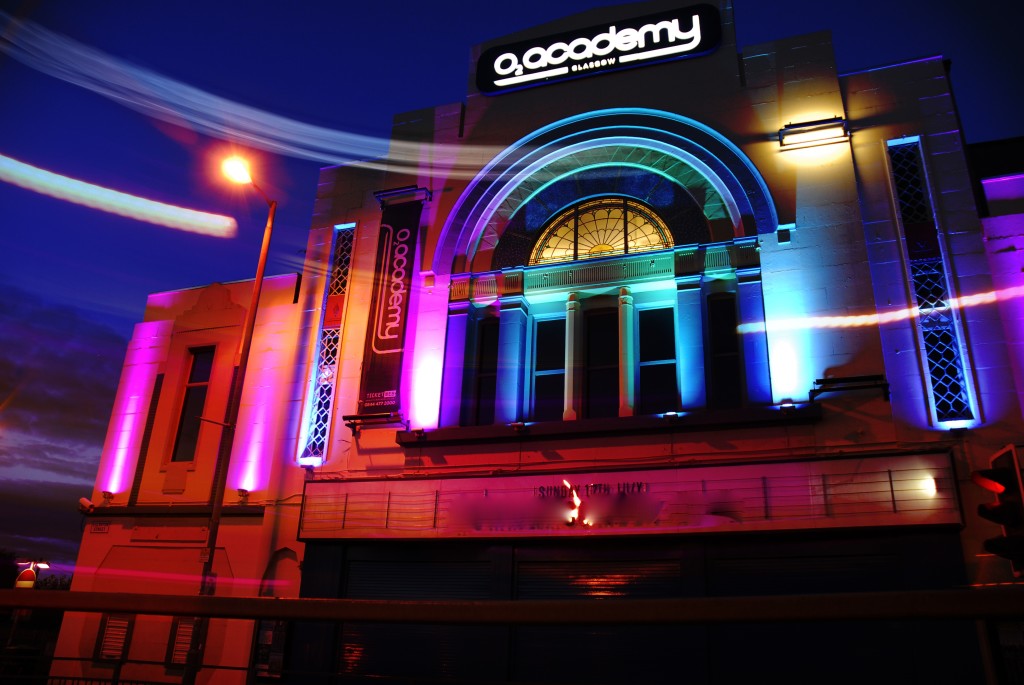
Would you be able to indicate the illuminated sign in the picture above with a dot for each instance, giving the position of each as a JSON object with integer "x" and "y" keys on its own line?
{"x": 677, "y": 34}
{"x": 847, "y": 493}
{"x": 385, "y": 337}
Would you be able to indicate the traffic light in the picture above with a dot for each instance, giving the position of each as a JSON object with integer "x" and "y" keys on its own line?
{"x": 1003, "y": 479}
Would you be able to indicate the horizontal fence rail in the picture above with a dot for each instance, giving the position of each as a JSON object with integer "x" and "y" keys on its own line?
{"x": 967, "y": 603}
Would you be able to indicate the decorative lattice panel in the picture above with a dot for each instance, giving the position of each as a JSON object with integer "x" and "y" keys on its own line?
{"x": 341, "y": 262}
{"x": 328, "y": 348}
{"x": 931, "y": 286}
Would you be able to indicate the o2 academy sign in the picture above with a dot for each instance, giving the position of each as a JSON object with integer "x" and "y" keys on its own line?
{"x": 678, "y": 34}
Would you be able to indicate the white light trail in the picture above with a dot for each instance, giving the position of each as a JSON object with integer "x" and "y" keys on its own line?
{"x": 859, "y": 320}
{"x": 178, "y": 103}
{"x": 114, "y": 201}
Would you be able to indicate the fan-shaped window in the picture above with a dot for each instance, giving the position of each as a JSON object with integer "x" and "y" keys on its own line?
{"x": 601, "y": 228}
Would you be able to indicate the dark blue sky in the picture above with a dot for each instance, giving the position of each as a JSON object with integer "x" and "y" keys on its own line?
{"x": 344, "y": 66}
{"x": 74, "y": 277}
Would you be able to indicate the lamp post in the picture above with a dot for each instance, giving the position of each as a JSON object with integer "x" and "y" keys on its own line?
{"x": 237, "y": 171}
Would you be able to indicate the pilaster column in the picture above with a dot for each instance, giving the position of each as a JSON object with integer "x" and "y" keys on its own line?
{"x": 452, "y": 379}
{"x": 755, "y": 345}
{"x": 573, "y": 372}
{"x": 511, "y": 356}
{"x": 627, "y": 377}
{"x": 690, "y": 337}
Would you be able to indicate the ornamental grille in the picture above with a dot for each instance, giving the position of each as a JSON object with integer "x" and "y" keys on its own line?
{"x": 323, "y": 393}
{"x": 931, "y": 290}
{"x": 906, "y": 170}
{"x": 342, "y": 260}
{"x": 322, "y": 385}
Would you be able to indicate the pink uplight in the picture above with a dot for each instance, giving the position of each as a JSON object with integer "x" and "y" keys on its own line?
{"x": 127, "y": 421}
{"x": 426, "y": 389}
{"x": 251, "y": 443}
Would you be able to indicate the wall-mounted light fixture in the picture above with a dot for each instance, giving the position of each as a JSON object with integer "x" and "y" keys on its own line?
{"x": 243, "y": 496}
{"x": 812, "y": 133}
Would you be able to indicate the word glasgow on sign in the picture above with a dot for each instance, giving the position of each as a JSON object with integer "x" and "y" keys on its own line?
{"x": 678, "y": 34}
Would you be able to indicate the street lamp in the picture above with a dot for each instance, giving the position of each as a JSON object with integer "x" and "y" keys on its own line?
{"x": 26, "y": 580}
{"x": 237, "y": 171}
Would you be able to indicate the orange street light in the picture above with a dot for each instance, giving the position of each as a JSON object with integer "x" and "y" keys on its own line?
{"x": 236, "y": 169}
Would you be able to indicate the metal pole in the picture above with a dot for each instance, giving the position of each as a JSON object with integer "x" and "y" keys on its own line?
{"x": 207, "y": 584}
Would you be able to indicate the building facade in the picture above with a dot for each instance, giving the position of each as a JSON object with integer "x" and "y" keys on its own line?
{"x": 650, "y": 314}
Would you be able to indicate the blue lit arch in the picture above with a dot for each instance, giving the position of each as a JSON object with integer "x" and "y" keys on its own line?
{"x": 654, "y": 145}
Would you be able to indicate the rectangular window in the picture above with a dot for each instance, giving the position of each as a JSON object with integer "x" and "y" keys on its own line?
{"x": 193, "y": 404}
{"x": 180, "y": 640}
{"x": 601, "y": 364}
{"x": 549, "y": 370}
{"x": 486, "y": 371}
{"x": 725, "y": 370}
{"x": 657, "y": 387}
{"x": 114, "y": 637}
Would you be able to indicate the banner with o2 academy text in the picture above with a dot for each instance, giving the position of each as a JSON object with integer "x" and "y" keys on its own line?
{"x": 389, "y": 308}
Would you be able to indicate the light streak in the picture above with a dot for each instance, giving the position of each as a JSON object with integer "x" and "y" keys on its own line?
{"x": 113, "y": 201}
{"x": 878, "y": 318}
{"x": 180, "y": 104}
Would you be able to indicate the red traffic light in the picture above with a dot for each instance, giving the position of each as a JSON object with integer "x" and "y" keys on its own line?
{"x": 993, "y": 480}
{"x": 1003, "y": 479}
{"x": 1006, "y": 514}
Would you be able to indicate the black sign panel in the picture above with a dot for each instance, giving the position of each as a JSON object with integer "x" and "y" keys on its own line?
{"x": 389, "y": 309}
{"x": 677, "y": 34}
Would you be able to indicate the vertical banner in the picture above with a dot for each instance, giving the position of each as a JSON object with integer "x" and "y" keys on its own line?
{"x": 389, "y": 308}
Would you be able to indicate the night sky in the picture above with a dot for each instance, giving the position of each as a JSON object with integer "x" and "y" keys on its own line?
{"x": 96, "y": 100}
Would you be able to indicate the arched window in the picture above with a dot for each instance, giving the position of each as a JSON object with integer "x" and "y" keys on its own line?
{"x": 600, "y": 228}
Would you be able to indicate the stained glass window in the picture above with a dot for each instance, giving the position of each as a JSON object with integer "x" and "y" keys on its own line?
{"x": 601, "y": 228}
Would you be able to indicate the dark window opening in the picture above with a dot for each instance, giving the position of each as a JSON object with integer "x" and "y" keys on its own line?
{"x": 486, "y": 371}
{"x": 549, "y": 370}
{"x": 193, "y": 404}
{"x": 658, "y": 389}
{"x": 725, "y": 372}
{"x": 601, "y": 364}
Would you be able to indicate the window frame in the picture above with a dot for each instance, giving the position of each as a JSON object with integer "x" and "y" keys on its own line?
{"x": 485, "y": 371}
{"x": 534, "y": 373}
{"x": 185, "y": 420}
{"x": 640, "y": 363}
{"x": 716, "y": 359}
{"x": 571, "y": 214}
{"x": 595, "y": 305}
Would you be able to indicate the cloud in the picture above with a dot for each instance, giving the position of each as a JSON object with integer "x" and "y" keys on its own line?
{"x": 58, "y": 376}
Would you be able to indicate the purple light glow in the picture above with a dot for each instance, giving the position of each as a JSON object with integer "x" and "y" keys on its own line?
{"x": 127, "y": 420}
{"x": 426, "y": 389}
{"x": 250, "y": 445}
